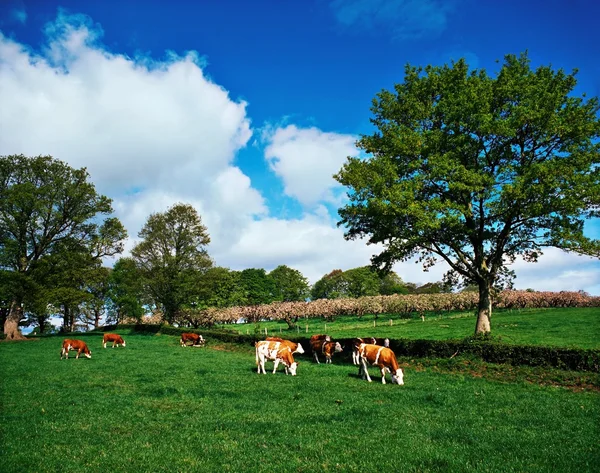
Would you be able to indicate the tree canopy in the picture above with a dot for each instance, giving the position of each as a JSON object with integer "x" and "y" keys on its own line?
{"x": 290, "y": 284}
{"x": 476, "y": 171}
{"x": 49, "y": 215}
{"x": 172, "y": 256}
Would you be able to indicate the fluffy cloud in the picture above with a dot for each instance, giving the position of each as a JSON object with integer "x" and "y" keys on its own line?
{"x": 306, "y": 159}
{"x": 135, "y": 123}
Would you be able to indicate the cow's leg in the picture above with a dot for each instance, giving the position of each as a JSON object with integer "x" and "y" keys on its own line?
{"x": 365, "y": 370}
{"x": 383, "y": 375}
{"x": 275, "y": 364}
{"x": 316, "y": 358}
{"x": 104, "y": 344}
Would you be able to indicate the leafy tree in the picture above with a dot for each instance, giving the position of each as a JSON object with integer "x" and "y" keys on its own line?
{"x": 125, "y": 296}
{"x": 330, "y": 286}
{"x": 257, "y": 286}
{"x": 476, "y": 170}
{"x": 363, "y": 281}
{"x": 45, "y": 204}
{"x": 219, "y": 287}
{"x": 290, "y": 284}
{"x": 172, "y": 256}
{"x": 390, "y": 283}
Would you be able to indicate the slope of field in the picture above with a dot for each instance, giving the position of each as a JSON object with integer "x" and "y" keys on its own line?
{"x": 562, "y": 327}
{"x": 154, "y": 406}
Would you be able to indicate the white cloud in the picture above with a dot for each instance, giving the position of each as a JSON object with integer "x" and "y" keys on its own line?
{"x": 133, "y": 122}
{"x": 306, "y": 160}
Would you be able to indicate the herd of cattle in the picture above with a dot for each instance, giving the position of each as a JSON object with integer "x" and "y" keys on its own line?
{"x": 365, "y": 352}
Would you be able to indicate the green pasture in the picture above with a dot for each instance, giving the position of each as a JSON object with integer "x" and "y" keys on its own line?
{"x": 561, "y": 327}
{"x": 156, "y": 407}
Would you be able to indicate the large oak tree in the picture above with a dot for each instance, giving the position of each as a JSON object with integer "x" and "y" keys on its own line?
{"x": 476, "y": 171}
{"x": 47, "y": 208}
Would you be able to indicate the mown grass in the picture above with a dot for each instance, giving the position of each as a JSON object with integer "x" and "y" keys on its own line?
{"x": 154, "y": 407}
{"x": 560, "y": 327}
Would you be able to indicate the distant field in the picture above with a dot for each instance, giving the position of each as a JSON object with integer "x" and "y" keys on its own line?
{"x": 568, "y": 327}
{"x": 156, "y": 407}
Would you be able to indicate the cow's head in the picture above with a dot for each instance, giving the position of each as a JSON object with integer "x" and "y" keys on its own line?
{"x": 123, "y": 342}
{"x": 88, "y": 354}
{"x": 299, "y": 349}
{"x": 338, "y": 348}
{"x": 398, "y": 377}
{"x": 293, "y": 367}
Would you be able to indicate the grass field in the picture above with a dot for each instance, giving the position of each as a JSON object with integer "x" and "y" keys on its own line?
{"x": 564, "y": 327}
{"x": 154, "y": 407}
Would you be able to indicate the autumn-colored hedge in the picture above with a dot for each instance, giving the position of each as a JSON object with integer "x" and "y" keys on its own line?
{"x": 403, "y": 305}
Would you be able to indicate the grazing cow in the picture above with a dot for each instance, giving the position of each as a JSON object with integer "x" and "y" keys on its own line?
{"x": 382, "y": 357}
{"x": 196, "y": 339}
{"x": 295, "y": 347}
{"x": 323, "y": 344}
{"x": 69, "y": 344}
{"x": 278, "y": 352}
{"x": 370, "y": 340}
{"x": 113, "y": 337}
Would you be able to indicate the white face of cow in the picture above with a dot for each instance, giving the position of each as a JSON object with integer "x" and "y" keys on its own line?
{"x": 299, "y": 349}
{"x": 88, "y": 355}
{"x": 292, "y": 368}
{"x": 124, "y": 343}
{"x": 338, "y": 347}
{"x": 398, "y": 378}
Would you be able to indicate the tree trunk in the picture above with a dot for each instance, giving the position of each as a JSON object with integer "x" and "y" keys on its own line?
{"x": 11, "y": 324}
{"x": 484, "y": 310}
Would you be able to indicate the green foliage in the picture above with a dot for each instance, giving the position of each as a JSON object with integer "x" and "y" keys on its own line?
{"x": 126, "y": 291}
{"x": 476, "y": 170}
{"x": 330, "y": 286}
{"x": 218, "y": 287}
{"x": 172, "y": 257}
{"x": 51, "y": 235}
{"x": 290, "y": 284}
{"x": 257, "y": 286}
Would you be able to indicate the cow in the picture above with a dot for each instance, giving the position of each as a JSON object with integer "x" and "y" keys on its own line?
{"x": 382, "y": 357}
{"x": 370, "y": 340}
{"x": 296, "y": 347}
{"x": 113, "y": 337}
{"x": 196, "y": 339}
{"x": 276, "y": 351}
{"x": 69, "y": 344}
{"x": 323, "y": 344}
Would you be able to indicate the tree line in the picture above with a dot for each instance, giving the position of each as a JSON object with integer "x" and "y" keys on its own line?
{"x": 462, "y": 167}
{"x": 53, "y": 247}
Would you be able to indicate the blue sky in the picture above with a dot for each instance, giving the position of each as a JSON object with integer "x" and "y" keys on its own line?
{"x": 245, "y": 109}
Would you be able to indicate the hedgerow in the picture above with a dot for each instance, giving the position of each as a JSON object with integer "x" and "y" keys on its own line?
{"x": 487, "y": 350}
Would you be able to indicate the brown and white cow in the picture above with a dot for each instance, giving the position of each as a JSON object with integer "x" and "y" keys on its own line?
{"x": 323, "y": 344}
{"x": 196, "y": 339}
{"x": 277, "y": 352}
{"x": 295, "y": 347}
{"x": 382, "y": 357}
{"x": 112, "y": 337}
{"x": 75, "y": 345}
{"x": 370, "y": 340}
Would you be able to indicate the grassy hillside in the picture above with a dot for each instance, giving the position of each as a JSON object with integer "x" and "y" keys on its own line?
{"x": 154, "y": 406}
{"x": 564, "y": 327}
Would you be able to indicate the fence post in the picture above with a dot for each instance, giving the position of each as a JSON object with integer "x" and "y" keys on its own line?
{"x": 298, "y": 328}
{"x": 374, "y": 324}
{"x": 266, "y": 331}
{"x": 306, "y": 328}
{"x": 391, "y": 323}
{"x": 326, "y": 327}
{"x": 279, "y": 329}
